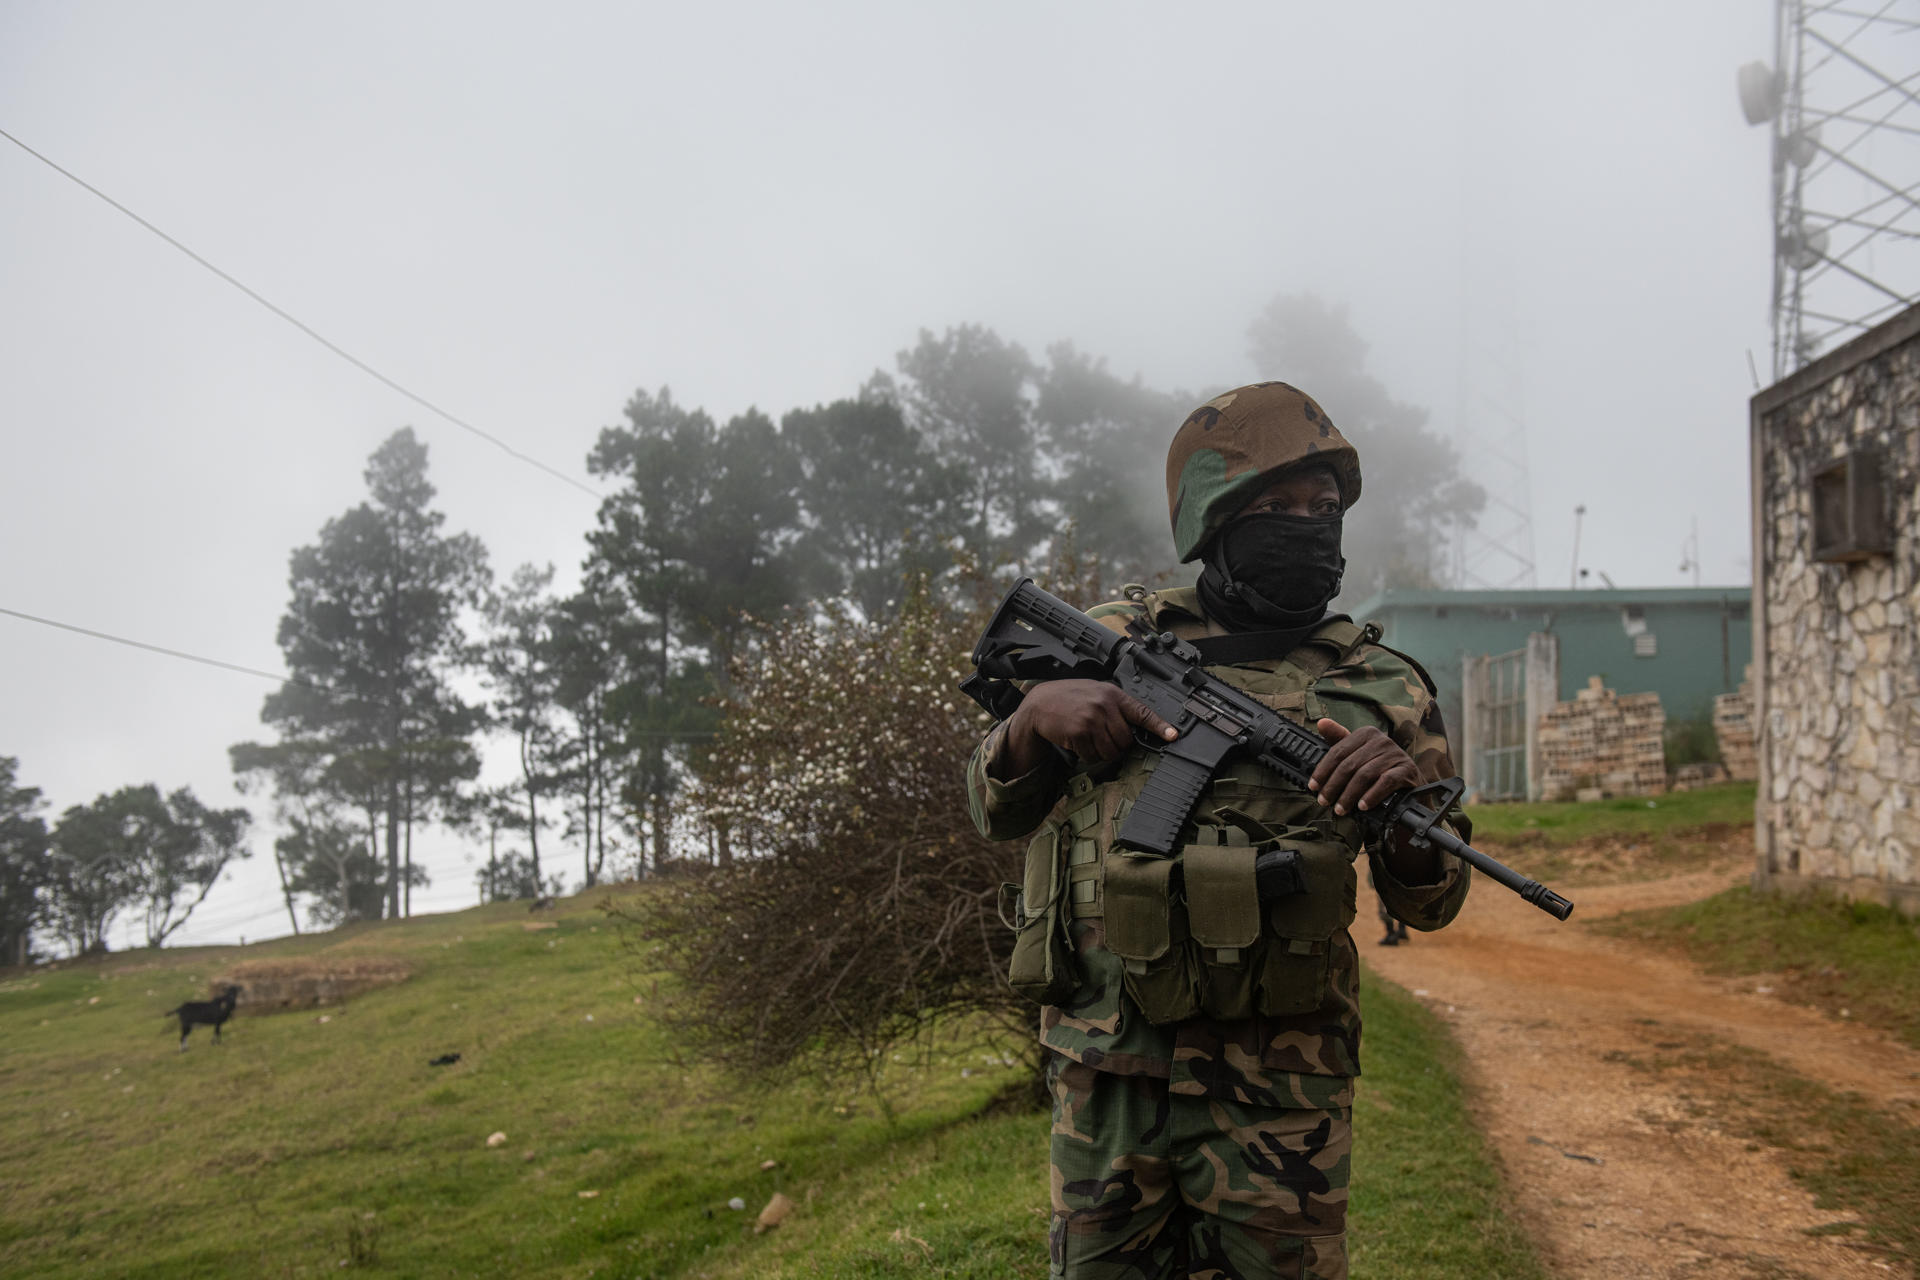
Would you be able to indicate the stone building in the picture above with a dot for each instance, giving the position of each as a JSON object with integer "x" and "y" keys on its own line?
{"x": 1835, "y": 464}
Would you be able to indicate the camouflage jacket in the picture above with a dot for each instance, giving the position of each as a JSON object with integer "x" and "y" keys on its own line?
{"x": 1299, "y": 1060}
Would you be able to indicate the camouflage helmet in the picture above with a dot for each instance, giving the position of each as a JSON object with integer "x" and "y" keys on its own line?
{"x": 1230, "y": 447}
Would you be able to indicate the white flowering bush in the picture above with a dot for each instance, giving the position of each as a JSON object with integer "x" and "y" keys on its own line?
{"x": 858, "y": 916}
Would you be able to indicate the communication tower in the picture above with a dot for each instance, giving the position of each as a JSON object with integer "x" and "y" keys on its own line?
{"x": 1840, "y": 99}
{"x": 1496, "y": 554}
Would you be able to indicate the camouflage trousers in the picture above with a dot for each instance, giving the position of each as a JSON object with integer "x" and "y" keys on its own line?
{"x": 1150, "y": 1185}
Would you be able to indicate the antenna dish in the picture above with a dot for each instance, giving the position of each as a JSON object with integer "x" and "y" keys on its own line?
{"x": 1760, "y": 91}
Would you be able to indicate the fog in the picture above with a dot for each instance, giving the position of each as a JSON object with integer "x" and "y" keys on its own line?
{"x": 525, "y": 215}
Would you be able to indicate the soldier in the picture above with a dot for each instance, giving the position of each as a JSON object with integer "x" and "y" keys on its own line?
{"x": 1203, "y": 1083}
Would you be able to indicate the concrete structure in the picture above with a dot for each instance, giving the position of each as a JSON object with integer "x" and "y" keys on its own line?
{"x": 1836, "y": 543}
{"x": 1687, "y": 644}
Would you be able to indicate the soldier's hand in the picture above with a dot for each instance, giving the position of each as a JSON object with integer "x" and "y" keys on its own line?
{"x": 1363, "y": 767}
{"x": 1091, "y": 718}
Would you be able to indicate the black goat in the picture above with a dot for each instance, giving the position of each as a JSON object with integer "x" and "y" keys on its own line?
{"x": 205, "y": 1012}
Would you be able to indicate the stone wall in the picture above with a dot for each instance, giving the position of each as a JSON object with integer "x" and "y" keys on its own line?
{"x": 1838, "y": 674}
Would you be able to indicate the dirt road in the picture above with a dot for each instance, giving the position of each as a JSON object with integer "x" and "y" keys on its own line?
{"x": 1620, "y": 1172}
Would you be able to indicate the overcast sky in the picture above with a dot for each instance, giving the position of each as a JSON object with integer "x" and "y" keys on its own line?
{"x": 525, "y": 214}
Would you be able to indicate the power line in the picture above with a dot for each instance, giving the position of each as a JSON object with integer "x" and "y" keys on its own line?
{"x": 303, "y": 327}
{"x": 676, "y": 734}
{"x": 216, "y": 924}
{"x": 171, "y": 653}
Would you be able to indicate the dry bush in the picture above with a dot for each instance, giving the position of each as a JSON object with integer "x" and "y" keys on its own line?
{"x": 273, "y": 986}
{"x": 859, "y": 918}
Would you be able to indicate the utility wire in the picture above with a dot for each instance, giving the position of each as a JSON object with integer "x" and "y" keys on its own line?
{"x": 330, "y": 345}
{"x": 677, "y": 734}
{"x": 171, "y": 653}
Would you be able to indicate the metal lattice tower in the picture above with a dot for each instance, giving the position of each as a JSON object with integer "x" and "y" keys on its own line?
{"x": 1489, "y": 422}
{"x": 1496, "y": 554}
{"x": 1841, "y": 101}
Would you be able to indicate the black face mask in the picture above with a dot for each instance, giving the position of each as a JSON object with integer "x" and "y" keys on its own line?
{"x": 1268, "y": 570}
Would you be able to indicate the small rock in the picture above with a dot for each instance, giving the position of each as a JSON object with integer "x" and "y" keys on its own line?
{"x": 736, "y": 1204}
{"x": 496, "y": 1139}
{"x": 589, "y": 1195}
{"x": 768, "y": 1166}
{"x": 325, "y": 1017}
{"x": 589, "y": 1017}
{"x": 93, "y": 1000}
{"x": 776, "y": 1211}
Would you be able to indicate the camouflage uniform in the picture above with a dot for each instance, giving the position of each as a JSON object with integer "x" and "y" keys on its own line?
{"x": 1202, "y": 1147}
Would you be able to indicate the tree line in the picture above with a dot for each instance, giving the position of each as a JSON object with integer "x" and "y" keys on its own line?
{"x": 406, "y": 653}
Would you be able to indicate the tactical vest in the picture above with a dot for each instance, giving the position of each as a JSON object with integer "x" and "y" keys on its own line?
{"x": 1192, "y": 930}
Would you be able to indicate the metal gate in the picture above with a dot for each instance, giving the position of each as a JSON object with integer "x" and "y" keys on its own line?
{"x": 1499, "y": 726}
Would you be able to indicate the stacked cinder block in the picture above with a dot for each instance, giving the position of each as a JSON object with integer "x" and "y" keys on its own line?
{"x": 1690, "y": 777}
{"x": 1733, "y": 727}
{"x": 1602, "y": 744}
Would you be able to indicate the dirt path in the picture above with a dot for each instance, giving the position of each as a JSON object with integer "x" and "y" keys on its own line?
{"x": 1546, "y": 1012}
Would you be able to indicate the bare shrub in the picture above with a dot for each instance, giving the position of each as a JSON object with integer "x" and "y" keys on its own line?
{"x": 859, "y": 918}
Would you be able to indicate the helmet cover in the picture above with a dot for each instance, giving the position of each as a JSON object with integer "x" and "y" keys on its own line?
{"x": 1231, "y": 447}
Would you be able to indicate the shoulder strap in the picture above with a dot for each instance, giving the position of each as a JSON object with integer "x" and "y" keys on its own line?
{"x": 1331, "y": 642}
{"x": 1357, "y": 638}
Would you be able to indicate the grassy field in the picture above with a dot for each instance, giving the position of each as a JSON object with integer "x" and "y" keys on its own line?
{"x": 1816, "y": 951}
{"x": 320, "y": 1140}
{"x": 1729, "y": 804}
{"x": 1615, "y": 841}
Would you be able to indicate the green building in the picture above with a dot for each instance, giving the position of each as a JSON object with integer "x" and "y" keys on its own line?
{"x": 1687, "y": 644}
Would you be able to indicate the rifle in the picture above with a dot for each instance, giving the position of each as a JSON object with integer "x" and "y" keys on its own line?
{"x": 1034, "y": 635}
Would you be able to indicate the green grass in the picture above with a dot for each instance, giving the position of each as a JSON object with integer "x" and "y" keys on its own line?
{"x": 1730, "y": 804}
{"x": 969, "y": 1201}
{"x": 1427, "y": 1201}
{"x": 299, "y": 1147}
{"x": 1617, "y": 841}
{"x": 1824, "y": 953}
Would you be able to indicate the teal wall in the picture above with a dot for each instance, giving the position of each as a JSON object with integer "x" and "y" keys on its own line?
{"x": 1703, "y": 638}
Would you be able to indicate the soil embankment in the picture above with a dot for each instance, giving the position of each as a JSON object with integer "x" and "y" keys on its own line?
{"x": 1616, "y": 1170}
